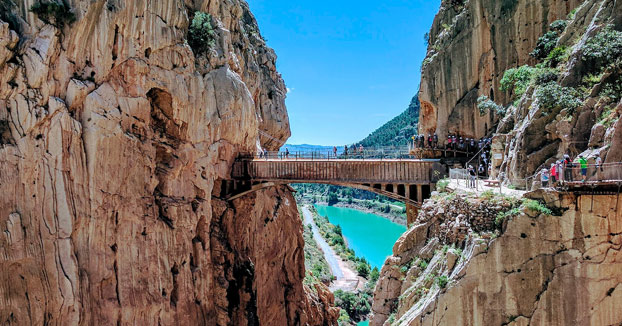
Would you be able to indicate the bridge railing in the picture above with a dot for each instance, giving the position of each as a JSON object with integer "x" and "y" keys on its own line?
{"x": 403, "y": 153}
{"x": 366, "y": 154}
{"x": 605, "y": 173}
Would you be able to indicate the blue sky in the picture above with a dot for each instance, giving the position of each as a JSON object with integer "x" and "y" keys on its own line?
{"x": 350, "y": 66}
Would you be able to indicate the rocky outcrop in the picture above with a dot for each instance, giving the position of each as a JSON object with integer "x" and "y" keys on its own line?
{"x": 115, "y": 138}
{"x": 471, "y": 44}
{"x": 474, "y": 43}
{"x": 541, "y": 269}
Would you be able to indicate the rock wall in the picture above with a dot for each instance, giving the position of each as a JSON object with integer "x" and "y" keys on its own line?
{"x": 541, "y": 270}
{"x": 114, "y": 141}
{"x": 471, "y": 44}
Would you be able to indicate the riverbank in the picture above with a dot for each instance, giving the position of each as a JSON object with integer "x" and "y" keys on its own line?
{"x": 351, "y": 198}
{"x": 395, "y": 218}
{"x": 345, "y": 278}
{"x": 353, "y": 287}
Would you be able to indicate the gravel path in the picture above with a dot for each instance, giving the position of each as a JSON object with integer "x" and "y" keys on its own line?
{"x": 329, "y": 253}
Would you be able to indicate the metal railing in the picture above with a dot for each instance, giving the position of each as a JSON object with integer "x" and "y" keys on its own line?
{"x": 376, "y": 153}
{"x": 366, "y": 154}
{"x": 608, "y": 173}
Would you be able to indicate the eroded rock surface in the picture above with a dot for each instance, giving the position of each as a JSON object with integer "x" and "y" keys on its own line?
{"x": 542, "y": 270}
{"x": 472, "y": 43}
{"x": 114, "y": 141}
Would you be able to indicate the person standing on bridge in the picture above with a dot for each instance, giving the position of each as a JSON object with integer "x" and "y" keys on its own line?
{"x": 286, "y": 153}
{"x": 345, "y": 150}
{"x": 429, "y": 140}
{"x": 448, "y": 146}
{"x": 335, "y": 151}
{"x": 361, "y": 149}
{"x": 544, "y": 178}
{"x": 559, "y": 169}
{"x": 435, "y": 140}
{"x": 553, "y": 173}
{"x": 599, "y": 166}
{"x": 583, "y": 164}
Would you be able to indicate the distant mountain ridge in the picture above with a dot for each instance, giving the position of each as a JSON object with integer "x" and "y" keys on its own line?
{"x": 398, "y": 131}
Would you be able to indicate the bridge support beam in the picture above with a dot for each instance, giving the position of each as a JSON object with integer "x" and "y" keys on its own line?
{"x": 411, "y": 214}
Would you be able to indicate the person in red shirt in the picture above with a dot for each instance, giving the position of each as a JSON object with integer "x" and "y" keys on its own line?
{"x": 553, "y": 174}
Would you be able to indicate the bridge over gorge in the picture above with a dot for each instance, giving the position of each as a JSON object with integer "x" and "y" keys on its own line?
{"x": 402, "y": 178}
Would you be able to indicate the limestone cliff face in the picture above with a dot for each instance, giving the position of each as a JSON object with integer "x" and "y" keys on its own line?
{"x": 472, "y": 43}
{"x": 114, "y": 140}
{"x": 541, "y": 270}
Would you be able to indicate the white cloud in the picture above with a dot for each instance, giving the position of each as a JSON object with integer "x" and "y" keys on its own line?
{"x": 289, "y": 90}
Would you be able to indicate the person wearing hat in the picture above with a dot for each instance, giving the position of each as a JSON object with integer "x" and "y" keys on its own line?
{"x": 544, "y": 177}
{"x": 568, "y": 168}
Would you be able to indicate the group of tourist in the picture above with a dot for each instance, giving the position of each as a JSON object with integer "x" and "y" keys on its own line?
{"x": 353, "y": 150}
{"x": 420, "y": 141}
{"x": 562, "y": 170}
{"x": 454, "y": 142}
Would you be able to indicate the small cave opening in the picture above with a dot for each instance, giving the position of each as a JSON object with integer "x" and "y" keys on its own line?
{"x": 5, "y": 134}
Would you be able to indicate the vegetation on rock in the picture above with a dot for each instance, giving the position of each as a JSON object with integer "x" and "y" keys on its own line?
{"x": 552, "y": 97}
{"x": 485, "y": 105}
{"x": 57, "y": 13}
{"x": 201, "y": 36}
{"x": 315, "y": 263}
{"x": 398, "y": 131}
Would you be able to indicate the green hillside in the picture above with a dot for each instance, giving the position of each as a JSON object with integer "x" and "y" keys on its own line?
{"x": 398, "y": 131}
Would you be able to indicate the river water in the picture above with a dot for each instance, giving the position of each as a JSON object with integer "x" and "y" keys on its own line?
{"x": 371, "y": 236}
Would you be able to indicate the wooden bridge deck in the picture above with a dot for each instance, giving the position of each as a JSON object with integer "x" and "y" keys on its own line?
{"x": 407, "y": 171}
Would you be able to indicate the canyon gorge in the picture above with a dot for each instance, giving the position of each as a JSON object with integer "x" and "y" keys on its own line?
{"x": 120, "y": 122}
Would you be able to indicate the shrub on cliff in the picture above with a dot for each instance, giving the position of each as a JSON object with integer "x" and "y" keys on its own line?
{"x": 604, "y": 49}
{"x": 201, "y": 36}
{"x": 355, "y": 304}
{"x": 558, "y": 55}
{"x": 54, "y": 13}
{"x": 7, "y": 15}
{"x": 546, "y": 44}
{"x": 548, "y": 41}
{"x": 484, "y": 105}
{"x": 553, "y": 97}
{"x": 516, "y": 80}
{"x": 362, "y": 269}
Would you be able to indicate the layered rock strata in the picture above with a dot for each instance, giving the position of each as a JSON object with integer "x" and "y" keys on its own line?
{"x": 115, "y": 138}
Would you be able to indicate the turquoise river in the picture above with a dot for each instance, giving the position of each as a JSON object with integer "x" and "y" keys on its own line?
{"x": 370, "y": 235}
